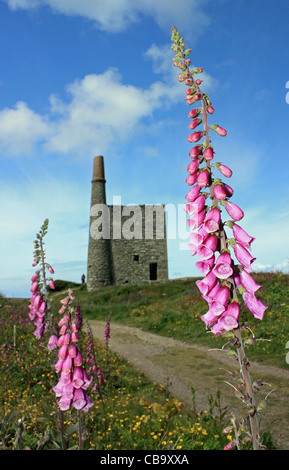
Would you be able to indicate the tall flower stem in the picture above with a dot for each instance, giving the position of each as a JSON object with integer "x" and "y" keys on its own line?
{"x": 254, "y": 424}
{"x": 80, "y": 439}
{"x": 223, "y": 314}
{"x": 60, "y": 422}
{"x": 253, "y": 416}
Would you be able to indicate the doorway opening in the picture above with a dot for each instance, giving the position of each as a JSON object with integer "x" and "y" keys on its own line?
{"x": 153, "y": 271}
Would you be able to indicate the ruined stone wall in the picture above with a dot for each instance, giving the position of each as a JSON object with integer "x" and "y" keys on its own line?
{"x": 143, "y": 258}
{"x": 127, "y": 244}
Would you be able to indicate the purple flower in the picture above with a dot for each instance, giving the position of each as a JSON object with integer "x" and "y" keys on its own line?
{"x": 212, "y": 220}
{"x": 243, "y": 256}
{"x": 223, "y": 268}
{"x": 255, "y": 305}
{"x": 52, "y": 343}
{"x": 241, "y": 236}
{"x": 77, "y": 377}
{"x": 248, "y": 282}
{"x": 79, "y": 400}
{"x": 207, "y": 283}
{"x": 234, "y": 211}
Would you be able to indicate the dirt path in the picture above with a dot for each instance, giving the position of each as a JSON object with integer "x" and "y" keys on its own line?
{"x": 180, "y": 366}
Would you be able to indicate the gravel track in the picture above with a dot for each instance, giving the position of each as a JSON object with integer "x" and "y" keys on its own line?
{"x": 180, "y": 366}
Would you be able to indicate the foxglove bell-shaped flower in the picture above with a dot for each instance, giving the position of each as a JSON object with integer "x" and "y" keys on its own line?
{"x": 243, "y": 256}
{"x": 207, "y": 283}
{"x": 228, "y": 320}
{"x": 52, "y": 343}
{"x": 79, "y": 400}
{"x": 193, "y": 193}
{"x": 71, "y": 388}
{"x": 221, "y": 276}
{"x": 255, "y": 305}
{"x": 206, "y": 250}
{"x": 234, "y": 211}
{"x": 196, "y": 206}
{"x": 77, "y": 377}
{"x": 248, "y": 282}
{"x": 220, "y": 300}
{"x": 242, "y": 236}
{"x": 223, "y": 268}
{"x": 196, "y": 220}
{"x": 205, "y": 266}
{"x": 212, "y": 220}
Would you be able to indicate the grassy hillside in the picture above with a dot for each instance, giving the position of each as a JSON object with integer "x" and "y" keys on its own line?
{"x": 129, "y": 411}
{"x": 174, "y": 309}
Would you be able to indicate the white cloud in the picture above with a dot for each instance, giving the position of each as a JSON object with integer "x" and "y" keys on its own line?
{"x": 117, "y": 15}
{"x": 20, "y": 128}
{"x": 101, "y": 110}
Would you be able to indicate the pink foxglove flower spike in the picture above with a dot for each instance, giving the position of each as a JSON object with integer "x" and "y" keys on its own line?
{"x": 220, "y": 271}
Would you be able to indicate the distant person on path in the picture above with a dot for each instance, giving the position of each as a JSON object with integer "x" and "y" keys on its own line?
{"x": 83, "y": 278}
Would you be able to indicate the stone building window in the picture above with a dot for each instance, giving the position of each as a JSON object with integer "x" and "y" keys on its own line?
{"x": 153, "y": 271}
{"x": 136, "y": 257}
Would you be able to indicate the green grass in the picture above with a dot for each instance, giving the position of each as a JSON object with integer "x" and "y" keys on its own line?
{"x": 174, "y": 309}
{"x": 129, "y": 411}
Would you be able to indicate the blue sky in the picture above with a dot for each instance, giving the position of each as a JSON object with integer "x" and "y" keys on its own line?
{"x": 81, "y": 78}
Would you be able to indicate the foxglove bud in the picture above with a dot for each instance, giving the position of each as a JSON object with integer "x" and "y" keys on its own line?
{"x": 194, "y": 113}
{"x": 203, "y": 178}
{"x": 197, "y": 70}
{"x": 209, "y": 153}
{"x": 195, "y": 123}
{"x": 193, "y": 166}
{"x": 193, "y": 194}
{"x": 219, "y": 192}
{"x": 222, "y": 132}
{"x": 226, "y": 171}
{"x": 196, "y": 151}
{"x": 34, "y": 287}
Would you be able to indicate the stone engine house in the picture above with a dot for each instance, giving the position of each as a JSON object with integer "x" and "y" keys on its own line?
{"x": 127, "y": 244}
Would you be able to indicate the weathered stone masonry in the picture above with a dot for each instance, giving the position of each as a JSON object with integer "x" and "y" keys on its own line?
{"x": 126, "y": 256}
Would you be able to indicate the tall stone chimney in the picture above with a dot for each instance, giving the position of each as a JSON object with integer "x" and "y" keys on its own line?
{"x": 99, "y": 265}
